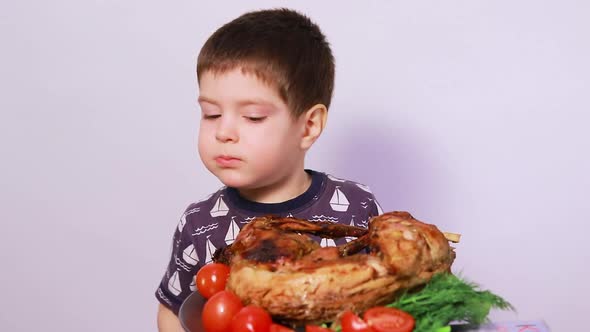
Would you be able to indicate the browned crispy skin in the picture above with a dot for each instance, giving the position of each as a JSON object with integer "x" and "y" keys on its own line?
{"x": 276, "y": 266}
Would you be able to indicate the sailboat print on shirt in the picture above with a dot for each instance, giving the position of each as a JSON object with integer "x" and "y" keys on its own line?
{"x": 182, "y": 223}
{"x": 189, "y": 254}
{"x": 220, "y": 209}
{"x": 327, "y": 242}
{"x": 210, "y": 250}
{"x": 350, "y": 238}
{"x": 379, "y": 209}
{"x": 232, "y": 232}
{"x": 193, "y": 285}
{"x": 183, "y": 218}
{"x": 339, "y": 202}
{"x": 174, "y": 284}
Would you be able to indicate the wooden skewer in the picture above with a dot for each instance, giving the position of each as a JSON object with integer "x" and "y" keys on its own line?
{"x": 453, "y": 237}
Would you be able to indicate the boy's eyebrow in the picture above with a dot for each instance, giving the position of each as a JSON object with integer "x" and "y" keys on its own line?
{"x": 241, "y": 103}
{"x": 206, "y": 100}
{"x": 248, "y": 102}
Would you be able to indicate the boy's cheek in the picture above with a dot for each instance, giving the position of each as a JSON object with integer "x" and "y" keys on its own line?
{"x": 206, "y": 132}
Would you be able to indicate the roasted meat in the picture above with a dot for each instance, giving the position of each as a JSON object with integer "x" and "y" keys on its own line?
{"x": 276, "y": 265}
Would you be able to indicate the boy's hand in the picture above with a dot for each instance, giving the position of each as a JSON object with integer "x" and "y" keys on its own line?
{"x": 168, "y": 321}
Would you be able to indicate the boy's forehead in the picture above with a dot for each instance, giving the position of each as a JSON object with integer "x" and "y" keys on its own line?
{"x": 240, "y": 87}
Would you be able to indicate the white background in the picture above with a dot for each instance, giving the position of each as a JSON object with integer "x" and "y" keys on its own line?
{"x": 472, "y": 115}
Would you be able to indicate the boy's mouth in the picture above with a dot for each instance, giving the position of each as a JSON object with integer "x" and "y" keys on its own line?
{"x": 227, "y": 161}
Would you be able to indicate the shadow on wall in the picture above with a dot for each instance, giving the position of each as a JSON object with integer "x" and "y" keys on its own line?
{"x": 403, "y": 168}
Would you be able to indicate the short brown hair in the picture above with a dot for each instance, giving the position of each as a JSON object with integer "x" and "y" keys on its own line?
{"x": 281, "y": 47}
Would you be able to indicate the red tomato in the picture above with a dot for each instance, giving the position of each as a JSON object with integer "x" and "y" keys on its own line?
{"x": 383, "y": 319}
{"x": 251, "y": 318}
{"x": 315, "y": 328}
{"x": 211, "y": 279}
{"x": 274, "y": 327}
{"x": 353, "y": 323}
{"x": 219, "y": 310}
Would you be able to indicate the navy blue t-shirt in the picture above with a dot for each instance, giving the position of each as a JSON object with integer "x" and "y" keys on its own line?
{"x": 215, "y": 222}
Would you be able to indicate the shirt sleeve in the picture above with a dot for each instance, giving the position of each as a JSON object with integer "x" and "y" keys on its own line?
{"x": 178, "y": 281}
{"x": 375, "y": 209}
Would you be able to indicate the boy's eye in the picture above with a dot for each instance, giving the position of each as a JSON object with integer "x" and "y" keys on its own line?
{"x": 211, "y": 116}
{"x": 255, "y": 118}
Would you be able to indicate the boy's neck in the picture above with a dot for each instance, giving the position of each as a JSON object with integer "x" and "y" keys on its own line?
{"x": 282, "y": 191}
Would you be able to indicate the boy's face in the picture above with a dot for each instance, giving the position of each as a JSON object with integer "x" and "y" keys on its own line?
{"x": 248, "y": 137}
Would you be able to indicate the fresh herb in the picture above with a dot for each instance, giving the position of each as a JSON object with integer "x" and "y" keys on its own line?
{"x": 447, "y": 298}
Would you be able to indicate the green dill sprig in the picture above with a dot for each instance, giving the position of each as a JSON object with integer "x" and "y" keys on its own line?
{"x": 447, "y": 298}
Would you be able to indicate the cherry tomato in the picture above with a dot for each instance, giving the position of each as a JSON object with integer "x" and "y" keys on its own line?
{"x": 274, "y": 327}
{"x": 315, "y": 328}
{"x": 219, "y": 310}
{"x": 383, "y": 319}
{"x": 353, "y": 323}
{"x": 211, "y": 279}
{"x": 251, "y": 318}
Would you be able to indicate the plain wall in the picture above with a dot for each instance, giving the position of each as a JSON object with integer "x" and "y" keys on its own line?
{"x": 472, "y": 115}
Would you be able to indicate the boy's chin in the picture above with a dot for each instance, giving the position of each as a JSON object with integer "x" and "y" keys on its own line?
{"x": 234, "y": 181}
{"x": 241, "y": 179}
{"x": 233, "y": 184}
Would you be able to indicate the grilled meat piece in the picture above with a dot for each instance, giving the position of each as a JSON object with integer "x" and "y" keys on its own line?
{"x": 275, "y": 265}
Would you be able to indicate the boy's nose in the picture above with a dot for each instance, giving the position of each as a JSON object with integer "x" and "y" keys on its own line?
{"x": 226, "y": 131}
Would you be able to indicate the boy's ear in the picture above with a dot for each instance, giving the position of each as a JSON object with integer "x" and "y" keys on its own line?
{"x": 314, "y": 121}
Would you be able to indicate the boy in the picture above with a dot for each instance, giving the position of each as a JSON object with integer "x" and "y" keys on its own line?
{"x": 265, "y": 85}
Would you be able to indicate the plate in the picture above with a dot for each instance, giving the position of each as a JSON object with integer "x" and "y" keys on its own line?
{"x": 190, "y": 313}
